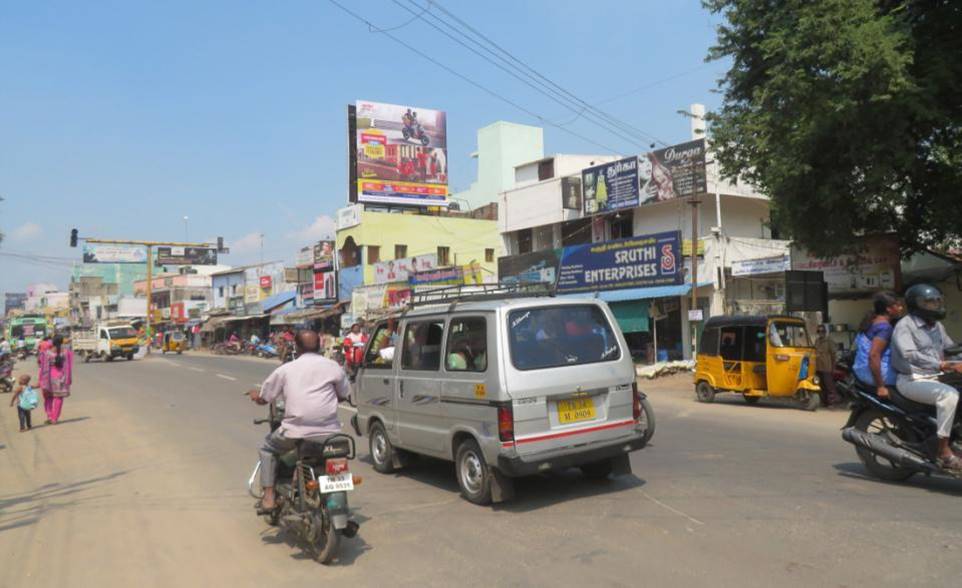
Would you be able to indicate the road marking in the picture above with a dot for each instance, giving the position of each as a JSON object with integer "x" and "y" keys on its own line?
{"x": 670, "y": 508}
{"x": 231, "y": 378}
{"x": 196, "y": 369}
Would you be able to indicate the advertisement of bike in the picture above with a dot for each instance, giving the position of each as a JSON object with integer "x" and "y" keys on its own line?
{"x": 673, "y": 172}
{"x": 401, "y": 154}
{"x": 610, "y": 186}
{"x": 635, "y": 262}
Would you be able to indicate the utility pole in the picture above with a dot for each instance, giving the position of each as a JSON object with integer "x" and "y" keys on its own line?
{"x": 694, "y": 201}
{"x": 150, "y": 263}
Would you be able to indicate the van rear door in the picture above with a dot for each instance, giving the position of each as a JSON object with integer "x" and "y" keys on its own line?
{"x": 569, "y": 375}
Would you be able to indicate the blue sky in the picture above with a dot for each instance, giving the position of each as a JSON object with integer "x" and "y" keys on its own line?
{"x": 120, "y": 118}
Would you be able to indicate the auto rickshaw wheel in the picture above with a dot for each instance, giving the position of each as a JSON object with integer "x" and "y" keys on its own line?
{"x": 809, "y": 400}
{"x": 704, "y": 392}
{"x": 751, "y": 399}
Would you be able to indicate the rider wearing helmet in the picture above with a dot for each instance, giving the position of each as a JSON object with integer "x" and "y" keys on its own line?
{"x": 918, "y": 355}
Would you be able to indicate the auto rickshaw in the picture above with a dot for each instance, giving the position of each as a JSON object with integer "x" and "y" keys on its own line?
{"x": 757, "y": 357}
{"x": 174, "y": 341}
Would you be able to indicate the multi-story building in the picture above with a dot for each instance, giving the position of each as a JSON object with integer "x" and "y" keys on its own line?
{"x": 241, "y": 289}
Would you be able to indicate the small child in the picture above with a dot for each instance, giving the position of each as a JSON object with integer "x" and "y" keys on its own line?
{"x": 26, "y": 398}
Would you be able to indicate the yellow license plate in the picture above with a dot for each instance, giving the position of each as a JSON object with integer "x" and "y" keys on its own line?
{"x": 573, "y": 411}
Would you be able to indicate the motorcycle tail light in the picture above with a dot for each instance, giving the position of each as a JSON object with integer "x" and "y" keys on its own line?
{"x": 506, "y": 423}
{"x": 635, "y": 401}
{"x": 312, "y": 485}
{"x": 335, "y": 466}
{"x": 357, "y": 480}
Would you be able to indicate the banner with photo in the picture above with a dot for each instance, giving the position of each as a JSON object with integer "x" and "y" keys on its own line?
{"x": 673, "y": 172}
{"x": 186, "y": 256}
{"x": 874, "y": 264}
{"x": 107, "y": 253}
{"x": 610, "y": 186}
{"x": 324, "y": 256}
{"x": 400, "y": 154}
{"x": 530, "y": 268}
{"x": 400, "y": 270}
{"x": 635, "y": 262}
{"x": 325, "y": 287}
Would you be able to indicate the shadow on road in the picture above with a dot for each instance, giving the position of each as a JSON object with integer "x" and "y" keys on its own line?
{"x": 70, "y": 420}
{"x": 45, "y": 499}
{"x": 939, "y": 484}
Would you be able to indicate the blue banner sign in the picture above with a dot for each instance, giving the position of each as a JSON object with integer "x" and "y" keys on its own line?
{"x": 635, "y": 262}
{"x": 611, "y": 186}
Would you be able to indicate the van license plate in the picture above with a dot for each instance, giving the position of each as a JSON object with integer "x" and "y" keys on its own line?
{"x": 338, "y": 483}
{"x": 575, "y": 410}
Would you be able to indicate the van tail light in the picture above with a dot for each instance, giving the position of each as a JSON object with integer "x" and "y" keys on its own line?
{"x": 506, "y": 423}
{"x": 334, "y": 467}
{"x": 635, "y": 401}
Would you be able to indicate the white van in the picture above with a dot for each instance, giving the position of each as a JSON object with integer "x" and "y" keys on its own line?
{"x": 503, "y": 387}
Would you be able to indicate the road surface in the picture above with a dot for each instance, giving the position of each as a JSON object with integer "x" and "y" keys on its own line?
{"x": 143, "y": 483}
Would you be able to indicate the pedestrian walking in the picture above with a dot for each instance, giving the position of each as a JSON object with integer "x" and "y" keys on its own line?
{"x": 56, "y": 375}
{"x": 825, "y": 365}
{"x": 26, "y": 400}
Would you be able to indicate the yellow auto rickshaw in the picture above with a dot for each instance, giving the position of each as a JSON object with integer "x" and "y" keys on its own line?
{"x": 757, "y": 357}
{"x": 174, "y": 341}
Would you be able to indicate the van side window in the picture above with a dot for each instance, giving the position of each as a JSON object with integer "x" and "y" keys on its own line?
{"x": 103, "y": 333}
{"x": 422, "y": 346}
{"x": 467, "y": 349}
{"x": 380, "y": 353}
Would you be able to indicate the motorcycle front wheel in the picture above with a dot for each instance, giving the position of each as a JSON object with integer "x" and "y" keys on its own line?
{"x": 874, "y": 421}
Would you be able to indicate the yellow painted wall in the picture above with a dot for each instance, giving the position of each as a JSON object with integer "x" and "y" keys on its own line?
{"x": 423, "y": 234}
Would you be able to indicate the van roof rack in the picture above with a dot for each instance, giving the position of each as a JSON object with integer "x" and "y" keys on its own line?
{"x": 480, "y": 292}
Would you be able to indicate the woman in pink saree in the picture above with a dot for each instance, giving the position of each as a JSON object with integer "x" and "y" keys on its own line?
{"x": 56, "y": 375}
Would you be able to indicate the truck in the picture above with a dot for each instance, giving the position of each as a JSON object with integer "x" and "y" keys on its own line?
{"x": 106, "y": 341}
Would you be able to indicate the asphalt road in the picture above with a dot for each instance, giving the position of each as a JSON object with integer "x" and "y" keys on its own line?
{"x": 143, "y": 483}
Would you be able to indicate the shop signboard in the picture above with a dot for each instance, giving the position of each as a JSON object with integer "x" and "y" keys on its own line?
{"x": 324, "y": 256}
{"x": 325, "y": 287}
{"x": 635, "y": 262}
{"x": 442, "y": 276}
{"x": 14, "y": 300}
{"x": 108, "y": 253}
{"x": 186, "y": 256}
{"x": 610, "y": 186}
{"x": 874, "y": 264}
{"x": 766, "y": 265}
{"x": 530, "y": 268}
{"x": 399, "y": 270}
{"x": 349, "y": 216}
{"x": 304, "y": 257}
{"x": 265, "y": 282}
{"x": 306, "y": 293}
{"x": 252, "y": 293}
{"x": 377, "y": 298}
{"x": 673, "y": 172}
{"x": 400, "y": 154}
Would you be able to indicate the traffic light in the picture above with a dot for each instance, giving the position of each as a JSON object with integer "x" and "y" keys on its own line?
{"x": 73, "y": 237}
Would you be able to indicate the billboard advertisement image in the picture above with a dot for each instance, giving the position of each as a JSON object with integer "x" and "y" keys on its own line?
{"x": 399, "y": 270}
{"x": 325, "y": 287}
{"x": 635, "y": 262}
{"x": 324, "y": 256}
{"x": 673, "y": 172}
{"x": 186, "y": 256}
{"x": 401, "y": 154}
{"x": 106, "y": 253}
{"x": 610, "y": 186}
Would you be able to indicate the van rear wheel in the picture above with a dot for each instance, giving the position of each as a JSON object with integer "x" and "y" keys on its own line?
{"x": 382, "y": 452}
{"x": 473, "y": 475}
{"x": 704, "y": 392}
{"x": 597, "y": 470}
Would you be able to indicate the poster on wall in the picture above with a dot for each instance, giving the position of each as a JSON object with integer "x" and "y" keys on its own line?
{"x": 400, "y": 154}
{"x": 105, "y": 253}
{"x": 530, "y": 268}
{"x": 635, "y": 262}
{"x": 324, "y": 256}
{"x": 874, "y": 265}
{"x": 325, "y": 287}
{"x": 400, "y": 270}
{"x": 610, "y": 186}
{"x": 673, "y": 172}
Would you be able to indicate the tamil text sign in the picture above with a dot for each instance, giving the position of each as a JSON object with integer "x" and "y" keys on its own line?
{"x": 107, "y": 253}
{"x": 186, "y": 256}
{"x": 636, "y": 262}
{"x": 401, "y": 154}
{"x": 610, "y": 186}
{"x": 754, "y": 267}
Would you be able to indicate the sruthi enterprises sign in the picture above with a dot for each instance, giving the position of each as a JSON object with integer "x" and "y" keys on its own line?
{"x": 635, "y": 262}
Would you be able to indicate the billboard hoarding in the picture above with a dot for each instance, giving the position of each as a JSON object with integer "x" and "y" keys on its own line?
{"x": 107, "y": 253}
{"x": 325, "y": 287}
{"x": 14, "y": 300}
{"x": 324, "y": 256}
{"x": 610, "y": 186}
{"x": 673, "y": 172}
{"x": 399, "y": 154}
{"x": 635, "y": 262}
{"x": 304, "y": 257}
{"x": 186, "y": 256}
{"x": 874, "y": 265}
{"x": 400, "y": 270}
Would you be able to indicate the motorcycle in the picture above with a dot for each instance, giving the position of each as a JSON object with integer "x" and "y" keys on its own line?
{"x": 312, "y": 507}
{"x": 417, "y": 133}
{"x": 22, "y": 353}
{"x": 844, "y": 375}
{"x": 265, "y": 351}
{"x": 895, "y": 438}
{"x": 6, "y": 376}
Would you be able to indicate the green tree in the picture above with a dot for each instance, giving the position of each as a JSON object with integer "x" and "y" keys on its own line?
{"x": 848, "y": 113}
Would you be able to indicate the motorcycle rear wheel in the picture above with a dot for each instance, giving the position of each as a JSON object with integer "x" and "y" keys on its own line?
{"x": 874, "y": 421}
{"x": 324, "y": 538}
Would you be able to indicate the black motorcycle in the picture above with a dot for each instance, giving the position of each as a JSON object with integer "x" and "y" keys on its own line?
{"x": 417, "y": 133}
{"x": 311, "y": 487}
{"x": 895, "y": 438}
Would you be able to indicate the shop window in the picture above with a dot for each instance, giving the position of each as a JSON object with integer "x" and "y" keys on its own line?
{"x": 467, "y": 349}
{"x": 422, "y": 346}
{"x": 546, "y": 170}
{"x": 373, "y": 254}
{"x": 220, "y": 291}
{"x": 524, "y": 241}
{"x": 622, "y": 226}
{"x": 489, "y": 255}
{"x": 400, "y": 251}
{"x": 444, "y": 256}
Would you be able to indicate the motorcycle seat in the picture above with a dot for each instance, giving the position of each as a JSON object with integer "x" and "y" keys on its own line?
{"x": 318, "y": 449}
{"x": 908, "y": 405}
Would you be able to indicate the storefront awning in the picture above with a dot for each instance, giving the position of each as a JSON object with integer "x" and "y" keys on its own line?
{"x": 632, "y": 315}
{"x": 272, "y": 302}
{"x": 642, "y": 293}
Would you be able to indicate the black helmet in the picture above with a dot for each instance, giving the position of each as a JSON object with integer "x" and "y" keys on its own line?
{"x": 925, "y": 301}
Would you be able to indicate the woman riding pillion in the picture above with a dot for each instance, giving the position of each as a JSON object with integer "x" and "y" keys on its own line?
{"x": 919, "y": 342}
{"x": 873, "y": 355}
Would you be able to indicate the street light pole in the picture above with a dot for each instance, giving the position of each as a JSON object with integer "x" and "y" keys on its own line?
{"x": 186, "y": 234}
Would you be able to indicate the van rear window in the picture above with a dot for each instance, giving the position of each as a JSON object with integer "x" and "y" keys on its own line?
{"x": 560, "y": 336}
